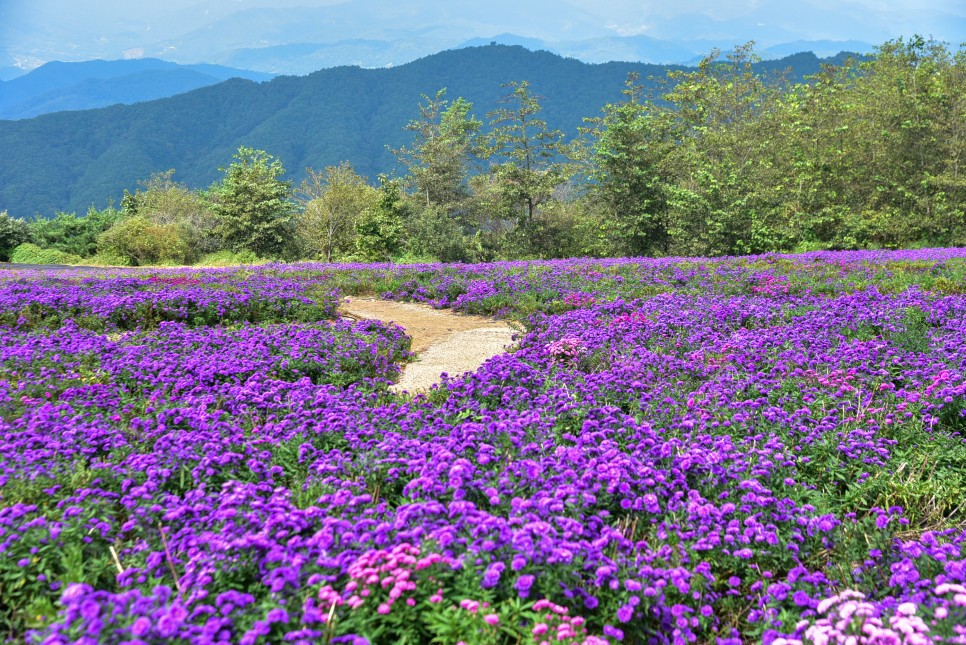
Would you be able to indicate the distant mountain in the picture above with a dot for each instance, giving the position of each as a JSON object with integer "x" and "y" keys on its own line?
{"x": 92, "y": 84}
{"x": 70, "y": 160}
{"x": 642, "y": 48}
{"x": 303, "y": 36}
{"x": 820, "y": 48}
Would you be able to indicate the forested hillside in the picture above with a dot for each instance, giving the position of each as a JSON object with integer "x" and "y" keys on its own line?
{"x": 69, "y": 161}
{"x": 724, "y": 159}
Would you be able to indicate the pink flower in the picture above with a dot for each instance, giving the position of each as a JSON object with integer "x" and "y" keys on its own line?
{"x": 384, "y": 608}
{"x": 491, "y": 619}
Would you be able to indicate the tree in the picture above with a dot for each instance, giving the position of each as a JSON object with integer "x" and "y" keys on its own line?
{"x": 13, "y": 233}
{"x": 332, "y": 201}
{"x": 632, "y": 142}
{"x": 253, "y": 206}
{"x": 728, "y": 194}
{"x": 444, "y": 143}
{"x": 534, "y": 155}
{"x": 875, "y": 150}
{"x": 167, "y": 203}
{"x": 72, "y": 234}
{"x": 909, "y": 138}
{"x": 379, "y": 231}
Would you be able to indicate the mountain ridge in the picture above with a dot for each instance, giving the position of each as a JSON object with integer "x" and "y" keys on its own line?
{"x": 60, "y": 85}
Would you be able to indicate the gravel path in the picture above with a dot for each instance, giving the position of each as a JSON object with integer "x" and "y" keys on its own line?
{"x": 444, "y": 342}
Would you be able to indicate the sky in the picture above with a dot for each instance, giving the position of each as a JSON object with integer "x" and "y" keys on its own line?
{"x": 36, "y": 31}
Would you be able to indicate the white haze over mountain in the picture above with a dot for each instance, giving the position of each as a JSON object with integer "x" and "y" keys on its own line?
{"x": 299, "y": 36}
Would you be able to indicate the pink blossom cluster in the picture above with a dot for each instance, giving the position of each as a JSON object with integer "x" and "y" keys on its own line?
{"x": 770, "y": 285}
{"x": 558, "y": 626}
{"x": 391, "y": 570}
{"x": 566, "y": 348}
{"x": 579, "y": 299}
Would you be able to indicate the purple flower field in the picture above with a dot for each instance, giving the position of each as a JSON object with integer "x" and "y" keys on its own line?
{"x": 738, "y": 450}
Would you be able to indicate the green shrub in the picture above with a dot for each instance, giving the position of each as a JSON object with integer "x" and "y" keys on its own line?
{"x": 108, "y": 260}
{"x": 72, "y": 234}
{"x": 144, "y": 242}
{"x": 28, "y": 253}
{"x": 227, "y": 259}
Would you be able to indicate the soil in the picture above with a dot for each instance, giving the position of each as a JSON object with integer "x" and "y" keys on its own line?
{"x": 443, "y": 341}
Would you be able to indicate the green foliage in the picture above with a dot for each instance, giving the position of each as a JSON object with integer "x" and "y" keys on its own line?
{"x": 444, "y": 143}
{"x": 726, "y": 190}
{"x": 332, "y": 203}
{"x": 169, "y": 204}
{"x": 253, "y": 205}
{"x": 107, "y": 260}
{"x": 13, "y": 233}
{"x": 28, "y": 253}
{"x": 69, "y": 160}
{"x": 140, "y": 242}
{"x": 72, "y": 234}
{"x": 632, "y": 143}
{"x": 725, "y": 158}
{"x": 433, "y": 234}
{"x": 379, "y": 229}
{"x": 228, "y": 259}
{"x": 874, "y": 150}
{"x": 533, "y": 155}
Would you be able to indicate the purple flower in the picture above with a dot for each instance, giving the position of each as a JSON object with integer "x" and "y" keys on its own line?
{"x": 141, "y": 626}
{"x": 625, "y": 613}
{"x": 523, "y": 584}
{"x": 89, "y": 609}
{"x": 614, "y": 632}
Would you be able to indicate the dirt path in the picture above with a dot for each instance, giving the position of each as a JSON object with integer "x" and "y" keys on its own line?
{"x": 443, "y": 341}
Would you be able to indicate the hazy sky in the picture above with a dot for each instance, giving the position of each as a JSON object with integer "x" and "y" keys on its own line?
{"x": 78, "y": 29}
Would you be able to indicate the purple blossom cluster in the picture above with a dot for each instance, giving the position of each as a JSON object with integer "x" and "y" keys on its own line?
{"x": 138, "y": 299}
{"x": 691, "y": 452}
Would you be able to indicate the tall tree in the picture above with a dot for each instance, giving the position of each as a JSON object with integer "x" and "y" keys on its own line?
{"x": 534, "y": 158}
{"x": 444, "y": 144}
{"x": 631, "y": 143}
{"x": 728, "y": 196}
{"x": 909, "y": 135}
{"x": 254, "y": 206}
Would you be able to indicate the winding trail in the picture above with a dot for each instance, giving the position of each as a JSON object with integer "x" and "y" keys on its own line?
{"x": 442, "y": 340}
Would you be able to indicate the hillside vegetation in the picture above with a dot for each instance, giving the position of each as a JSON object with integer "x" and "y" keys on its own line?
{"x": 70, "y": 161}
{"x": 727, "y": 158}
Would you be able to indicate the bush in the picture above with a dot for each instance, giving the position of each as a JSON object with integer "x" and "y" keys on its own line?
{"x": 143, "y": 242}
{"x": 227, "y": 259}
{"x": 28, "y": 253}
{"x": 13, "y": 233}
{"x": 432, "y": 233}
{"x": 108, "y": 260}
{"x": 72, "y": 234}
